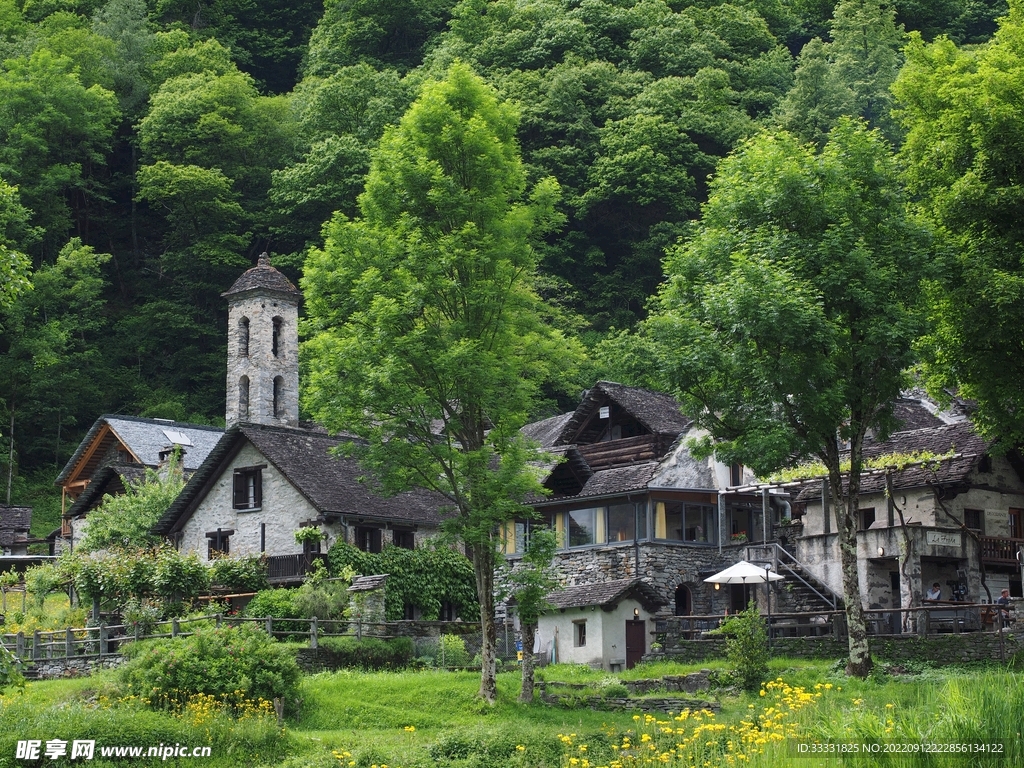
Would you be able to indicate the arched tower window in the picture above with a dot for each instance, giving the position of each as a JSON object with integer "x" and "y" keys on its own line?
{"x": 243, "y": 398}
{"x": 275, "y": 345}
{"x": 278, "y": 396}
{"x": 243, "y": 337}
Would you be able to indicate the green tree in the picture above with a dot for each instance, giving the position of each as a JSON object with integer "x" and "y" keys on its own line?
{"x": 965, "y": 140}
{"x": 49, "y": 356}
{"x": 54, "y": 133}
{"x": 427, "y": 339}
{"x": 124, "y": 521}
{"x": 849, "y": 76}
{"x": 787, "y": 320}
{"x": 15, "y": 266}
{"x": 528, "y": 582}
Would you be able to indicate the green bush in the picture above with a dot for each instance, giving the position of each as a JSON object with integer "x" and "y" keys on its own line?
{"x": 239, "y": 574}
{"x": 215, "y": 661}
{"x": 278, "y": 604}
{"x": 451, "y": 651}
{"x": 370, "y": 653}
{"x": 746, "y": 646}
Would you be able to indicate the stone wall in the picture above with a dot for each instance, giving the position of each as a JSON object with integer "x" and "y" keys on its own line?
{"x": 937, "y": 649}
{"x": 49, "y": 669}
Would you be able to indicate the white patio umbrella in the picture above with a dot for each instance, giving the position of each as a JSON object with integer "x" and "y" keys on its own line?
{"x": 748, "y": 573}
{"x": 743, "y": 573}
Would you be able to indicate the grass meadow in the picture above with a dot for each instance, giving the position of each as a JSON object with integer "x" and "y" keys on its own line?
{"x": 433, "y": 719}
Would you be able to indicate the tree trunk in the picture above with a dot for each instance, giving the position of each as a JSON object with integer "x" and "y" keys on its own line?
{"x": 859, "y": 663}
{"x": 529, "y": 634}
{"x": 483, "y": 569}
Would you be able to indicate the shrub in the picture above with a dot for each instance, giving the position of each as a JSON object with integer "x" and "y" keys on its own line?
{"x": 370, "y": 653}
{"x": 279, "y": 604}
{"x": 746, "y": 646}
{"x": 239, "y": 574}
{"x": 451, "y": 651}
{"x": 215, "y": 661}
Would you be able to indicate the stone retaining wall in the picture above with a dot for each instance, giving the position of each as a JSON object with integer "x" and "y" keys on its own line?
{"x": 49, "y": 669}
{"x": 942, "y": 649}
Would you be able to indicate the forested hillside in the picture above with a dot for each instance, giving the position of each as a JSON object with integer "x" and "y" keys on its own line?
{"x": 150, "y": 149}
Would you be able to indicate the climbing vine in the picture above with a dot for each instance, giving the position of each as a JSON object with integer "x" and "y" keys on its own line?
{"x": 424, "y": 578}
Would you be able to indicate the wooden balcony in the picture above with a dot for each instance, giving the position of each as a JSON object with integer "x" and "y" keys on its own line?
{"x": 286, "y": 568}
{"x": 999, "y": 550}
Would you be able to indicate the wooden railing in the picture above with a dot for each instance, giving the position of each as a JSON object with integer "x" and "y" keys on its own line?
{"x": 289, "y": 567}
{"x": 997, "y": 550}
{"x": 108, "y": 639}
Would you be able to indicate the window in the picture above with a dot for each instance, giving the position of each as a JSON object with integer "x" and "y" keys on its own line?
{"x": 243, "y": 337}
{"x": 676, "y": 521}
{"x": 368, "y": 539}
{"x": 276, "y": 340}
{"x": 621, "y": 522}
{"x": 867, "y": 518}
{"x": 736, "y": 474}
{"x": 974, "y": 519}
{"x": 583, "y": 527}
{"x": 579, "y": 635}
{"x": 243, "y": 398}
{"x": 217, "y": 543}
{"x": 278, "y": 397}
{"x": 248, "y": 488}
{"x": 985, "y": 463}
{"x": 403, "y": 539}
{"x": 448, "y": 612}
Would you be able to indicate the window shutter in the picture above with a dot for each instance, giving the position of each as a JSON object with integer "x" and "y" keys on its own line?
{"x": 258, "y": 482}
{"x": 239, "y": 494}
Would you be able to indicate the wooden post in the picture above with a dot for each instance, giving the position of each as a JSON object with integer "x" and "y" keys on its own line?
{"x": 219, "y": 618}
{"x": 19, "y": 645}
{"x": 313, "y": 640}
{"x": 175, "y": 628}
{"x": 37, "y": 648}
{"x": 104, "y": 640}
{"x": 96, "y": 609}
{"x": 270, "y": 626}
{"x": 69, "y": 643}
{"x": 135, "y": 631}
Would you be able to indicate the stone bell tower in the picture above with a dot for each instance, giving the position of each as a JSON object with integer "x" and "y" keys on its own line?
{"x": 263, "y": 348}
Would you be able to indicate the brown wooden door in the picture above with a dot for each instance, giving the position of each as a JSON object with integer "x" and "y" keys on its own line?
{"x": 636, "y": 642}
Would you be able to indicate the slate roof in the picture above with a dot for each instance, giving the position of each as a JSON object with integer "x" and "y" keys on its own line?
{"x": 15, "y": 523}
{"x": 607, "y": 595}
{"x": 548, "y": 431}
{"x": 262, "y": 276}
{"x": 112, "y": 479}
{"x": 659, "y": 412}
{"x": 146, "y": 438}
{"x": 959, "y": 437}
{"x": 329, "y": 482}
{"x": 606, "y": 482}
{"x": 368, "y": 583}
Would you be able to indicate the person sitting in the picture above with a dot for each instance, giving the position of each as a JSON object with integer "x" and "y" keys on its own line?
{"x": 1003, "y": 601}
{"x": 935, "y": 593}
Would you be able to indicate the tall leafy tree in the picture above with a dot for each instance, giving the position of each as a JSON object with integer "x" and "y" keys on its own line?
{"x": 15, "y": 266}
{"x": 427, "y": 338}
{"x": 847, "y": 76}
{"x": 787, "y": 320}
{"x": 965, "y": 143}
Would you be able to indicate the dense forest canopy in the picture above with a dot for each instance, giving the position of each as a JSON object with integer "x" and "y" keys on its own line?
{"x": 150, "y": 149}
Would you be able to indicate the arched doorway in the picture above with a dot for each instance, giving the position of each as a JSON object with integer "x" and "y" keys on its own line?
{"x": 684, "y": 601}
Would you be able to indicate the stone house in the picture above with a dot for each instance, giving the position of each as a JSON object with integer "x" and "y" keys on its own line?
{"x": 117, "y": 450}
{"x": 268, "y": 475}
{"x": 603, "y": 624}
{"x": 957, "y": 521}
{"x": 629, "y": 501}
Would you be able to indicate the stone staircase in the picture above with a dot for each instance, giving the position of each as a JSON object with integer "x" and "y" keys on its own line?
{"x": 801, "y": 592}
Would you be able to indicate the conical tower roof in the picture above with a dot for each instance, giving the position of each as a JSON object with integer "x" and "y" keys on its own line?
{"x": 263, "y": 276}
